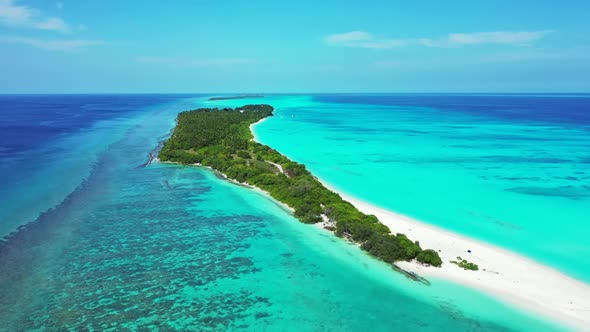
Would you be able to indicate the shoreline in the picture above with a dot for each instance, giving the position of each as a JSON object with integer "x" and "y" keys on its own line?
{"x": 255, "y": 139}
{"x": 508, "y": 276}
{"x": 222, "y": 176}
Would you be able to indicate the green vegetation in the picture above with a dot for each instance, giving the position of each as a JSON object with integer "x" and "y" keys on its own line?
{"x": 429, "y": 257}
{"x": 465, "y": 265}
{"x": 221, "y": 139}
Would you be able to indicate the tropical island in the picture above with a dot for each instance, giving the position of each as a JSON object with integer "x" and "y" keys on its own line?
{"x": 221, "y": 139}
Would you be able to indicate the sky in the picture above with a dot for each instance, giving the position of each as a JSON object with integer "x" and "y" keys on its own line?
{"x": 215, "y": 46}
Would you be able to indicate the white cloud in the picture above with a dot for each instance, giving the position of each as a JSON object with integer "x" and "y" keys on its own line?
{"x": 51, "y": 45}
{"x": 52, "y": 23}
{"x": 349, "y": 37}
{"x": 362, "y": 39}
{"x": 194, "y": 62}
{"x": 497, "y": 37}
{"x": 15, "y": 15}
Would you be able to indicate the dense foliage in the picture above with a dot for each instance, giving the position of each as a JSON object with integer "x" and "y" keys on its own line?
{"x": 429, "y": 257}
{"x": 465, "y": 265}
{"x": 221, "y": 139}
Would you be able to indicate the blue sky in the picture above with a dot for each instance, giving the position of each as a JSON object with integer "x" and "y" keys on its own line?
{"x": 297, "y": 46}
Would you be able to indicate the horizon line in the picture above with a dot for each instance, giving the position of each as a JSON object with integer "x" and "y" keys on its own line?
{"x": 262, "y": 94}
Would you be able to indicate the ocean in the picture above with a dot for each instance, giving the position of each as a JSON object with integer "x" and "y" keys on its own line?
{"x": 511, "y": 170}
{"x": 97, "y": 238}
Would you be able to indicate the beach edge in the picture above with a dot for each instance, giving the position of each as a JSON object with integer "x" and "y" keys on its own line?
{"x": 509, "y": 276}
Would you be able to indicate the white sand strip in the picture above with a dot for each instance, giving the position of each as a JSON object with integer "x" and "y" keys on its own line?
{"x": 508, "y": 276}
{"x": 513, "y": 278}
{"x": 252, "y": 128}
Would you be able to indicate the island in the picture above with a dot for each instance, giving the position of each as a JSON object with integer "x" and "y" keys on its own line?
{"x": 221, "y": 139}
{"x": 236, "y": 97}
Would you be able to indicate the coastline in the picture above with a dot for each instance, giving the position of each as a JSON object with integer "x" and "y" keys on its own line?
{"x": 508, "y": 276}
{"x": 222, "y": 176}
{"x": 255, "y": 139}
{"x": 284, "y": 206}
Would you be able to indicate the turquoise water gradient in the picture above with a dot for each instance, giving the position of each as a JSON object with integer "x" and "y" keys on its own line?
{"x": 62, "y": 164}
{"x": 517, "y": 184}
{"x": 170, "y": 247}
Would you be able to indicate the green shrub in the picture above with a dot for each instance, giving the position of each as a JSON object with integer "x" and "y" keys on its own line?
{"x": 465, "y": 265}
{"x": 429, "y": 257}
{"x": 411, "y": 249}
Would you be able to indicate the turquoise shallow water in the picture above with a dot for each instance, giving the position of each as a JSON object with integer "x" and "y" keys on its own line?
{"x": 510, "y": 170}
{"x": 163, "y": 247}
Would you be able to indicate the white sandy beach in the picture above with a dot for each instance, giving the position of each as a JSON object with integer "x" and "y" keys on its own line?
{"x": 513, "y": 278}
{"x": 255, "y": 124}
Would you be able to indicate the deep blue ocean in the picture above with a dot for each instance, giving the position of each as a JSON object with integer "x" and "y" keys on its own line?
{"x": 94, "y": 237}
